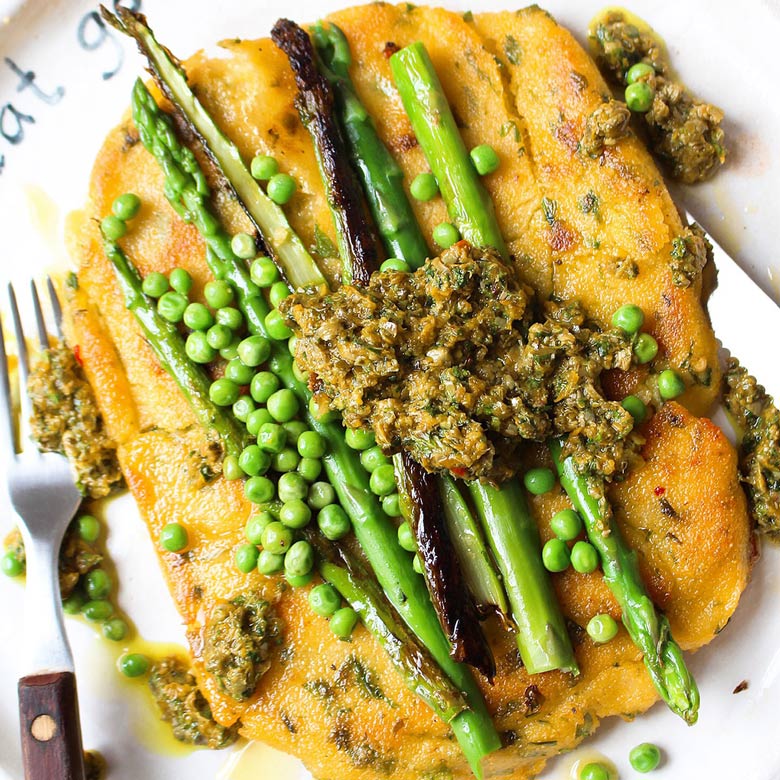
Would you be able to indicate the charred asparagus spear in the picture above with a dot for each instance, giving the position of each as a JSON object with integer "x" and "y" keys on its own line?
{"x": 470, "y": 206}
{"x": 451, "y": 598}
{"x": 188, "y": 193}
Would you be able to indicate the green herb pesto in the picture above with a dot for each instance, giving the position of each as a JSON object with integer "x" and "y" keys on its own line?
{"x": 237, "y": 642}
{"x": 683, "y": 131}
{"x": 66, "y": 419}
{"x": 606, "y": 126}
{"x": 755, "y": 413}
{"x": 183, "y": 706}
{"x": 689, "y": 255}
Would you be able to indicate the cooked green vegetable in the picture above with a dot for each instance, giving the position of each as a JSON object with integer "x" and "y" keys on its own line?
{"x": 645, "y": 757}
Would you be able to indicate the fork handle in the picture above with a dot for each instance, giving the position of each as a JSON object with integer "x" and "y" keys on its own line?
{"x": 51, "y": 729}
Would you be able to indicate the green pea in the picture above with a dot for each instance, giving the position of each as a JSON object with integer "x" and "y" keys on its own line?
{"x": 219, "y": 336}
{"x": 566, "y": 524}
{"x": 320, "y": 495}
{"x": 276, "y": 327}
{"x": 323, "y": 415}
{"x": 231, "y": 350}
{"x": 218, "y": 293}
{"x": 359, "y": 438}
{"x": 406, "y": 537}
{"x": 286, "y": 460}
{"x": 333, "y": 522}
{"x": 539, "y": 481}
{"x": 126, "y": 206}
{"x": 635, "y": 407}
{"x": 445, "y": 234}
{"x": 594, "y": 771}
{"x": 645, "y": 348}
{"x": 638, "y": 71}
{"x": 584, "y": 558}
{"x": 97, "y": 584}
{"x": 171, "y": 306}
{"x": 343, "y": 622}
{"x": 382, "y": 481}
{"x": 299, "y": 581}
{"x": 246, "y": 558}
{"x": 270, "y": 563}
{"x": 391, "y": 505}
{"x": 237, "y": 372}
{"x": 373, "y": 458}
{"x": 639, "y": 96}
{"x": 263, "y": 272}
{"x": 133, "y": 665}
{"x": 602, "y": 628}
{"x": 292, "y": 486}
{"x": 300, "y": 374}
{"x": 198, "y": 348}
{"x": 394, "y": 264}
{"x": 254, "y": 350}
{"x": 97, "y": 611}
{"x": 11, "y": 565}
{"x": 294, "y": 429}
{"x": 230, "y": 317}
{"x": 645, "y": 757}
{"x": 277, "y": 538}
{"x": 253, "y": 530}
{"x": 89, "y": 528}
{"x": 114, "y": 629}
{"x": 283, "y": 405}
{"x": 223, "y": 392}
{"x": 417, "y": 564}
{"x": 254, "y": 461}
{"x": 155, "y": 284}
{"x": 112, "y": 228}
{"x": 257, "y": 420}
{"x": 299, "y": 560}
{"x": 73, "y": 604}
{"x": 324, "y": 600}
{"x": 424, "y": 187}
{"x": 174, "y": 537}
{"x": 485, "y": 159}
{"x": 181, "y": 281}
{"x": 230, "y": 468}
{"x": 629, "y": 318}
{"x": 278, "y": 292}
{"x": 243, "y": 246}
{"x": 263, "y": 385}
{"x": 670, "y": 384}
{"x": 280, "y": 188}
{"x": 311, "y": 445}
{"x": 263, "y": 167}
{"x": 555, "y": 555}
{"x": 243, "y": 407}
{"x": 198, "y": 317}
{"x": 258, "y": 489}
{"x": 309, "y": 468}
{"x": 271, "y": 437}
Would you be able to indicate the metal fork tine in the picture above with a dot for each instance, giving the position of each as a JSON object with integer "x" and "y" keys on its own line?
{"x": 6, "y": 413}
{"x": 40, "y": 322}
{"x": 55, "y": 306}
{"x": 25, "y": 405}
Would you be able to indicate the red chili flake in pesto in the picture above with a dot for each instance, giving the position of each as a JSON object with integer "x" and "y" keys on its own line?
{"x": 660, "y": 490}
{"x": 77, "y": 355}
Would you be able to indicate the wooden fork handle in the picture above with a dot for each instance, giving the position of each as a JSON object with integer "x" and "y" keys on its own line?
{"x": 51, "y": 729}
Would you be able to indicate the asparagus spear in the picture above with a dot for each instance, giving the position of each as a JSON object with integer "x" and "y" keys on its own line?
{"x": 414, "y": 663}
{"x": 187, "y": 191}
{"x": 281, "y": 241}
{"x": 435, "y": 128}
{"x": 451, "y": 599}
{"x": 357, "y": 243}
{"x": 168, "y": 346}
{"x": 514, "y": 539}
{"x": 648, "y": 629}
{"x": 380, "y": 174}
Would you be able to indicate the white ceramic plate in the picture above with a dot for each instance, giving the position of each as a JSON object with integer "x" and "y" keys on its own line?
{"x": 51, "y": 126}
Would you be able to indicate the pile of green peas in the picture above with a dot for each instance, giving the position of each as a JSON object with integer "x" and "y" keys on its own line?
{"x": 640, "y": 89}
{"x": 280, "y": 187}
{"x": 90, "y": 597}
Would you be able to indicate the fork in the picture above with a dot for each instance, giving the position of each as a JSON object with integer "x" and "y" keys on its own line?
{"x": 42, "y": 490}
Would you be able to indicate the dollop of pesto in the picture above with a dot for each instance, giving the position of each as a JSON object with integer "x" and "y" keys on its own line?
{"x": 182, "y": 704}
{"x": 684, "y": 132}
{"x": 755, "y": 413}
{"x": 689, "y": 254}
{"x": 66, "y": 419}
{"x": 237, "y": 642}
{"x": 606, "y": 126}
